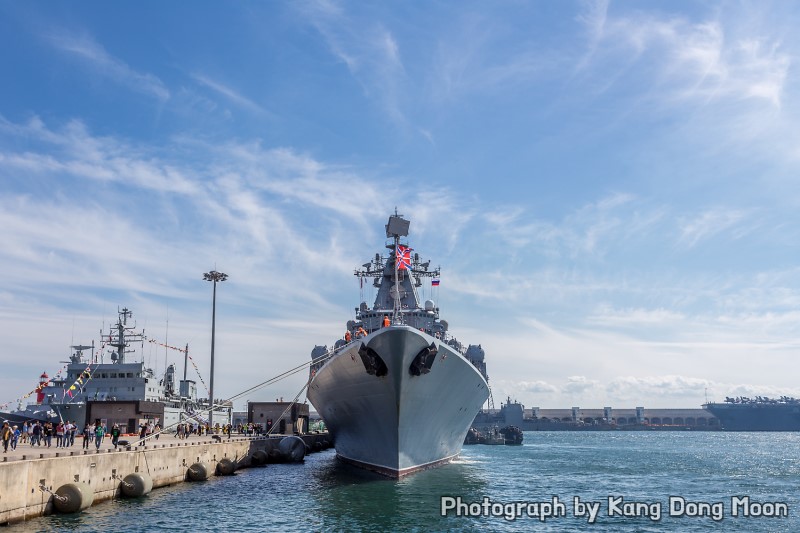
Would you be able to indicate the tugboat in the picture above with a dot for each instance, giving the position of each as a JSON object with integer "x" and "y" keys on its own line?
{"x": 398, "y": 393}
{"x": 509, "y": 436}
{"x": 512, "y": 435}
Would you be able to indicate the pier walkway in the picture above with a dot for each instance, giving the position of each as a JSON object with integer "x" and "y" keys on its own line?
{"x": 25, "y": 451}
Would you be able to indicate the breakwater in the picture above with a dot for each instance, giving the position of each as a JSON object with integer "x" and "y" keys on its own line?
{"x": 30, "y": 479}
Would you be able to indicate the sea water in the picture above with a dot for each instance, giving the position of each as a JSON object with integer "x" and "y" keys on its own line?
{"x": 556, "y": 481}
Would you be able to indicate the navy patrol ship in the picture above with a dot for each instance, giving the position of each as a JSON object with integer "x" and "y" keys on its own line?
{"x": 123, "y": 379}
{"x": 399, "y": 392}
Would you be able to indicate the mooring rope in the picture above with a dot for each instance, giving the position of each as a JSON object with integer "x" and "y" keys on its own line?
{"x": 122, "y": 480}
{"x": 270, "y": 381}
{"x": 43, "y": 488}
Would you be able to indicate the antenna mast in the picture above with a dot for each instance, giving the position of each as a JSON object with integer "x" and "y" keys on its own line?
{"x": 397, "y": 227}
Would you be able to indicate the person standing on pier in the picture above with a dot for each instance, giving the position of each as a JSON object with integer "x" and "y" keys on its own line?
{"x": 15, "y": 433}
{"x": 5, "y": 433}
{"x": 36, "y": 434}
{"x": 48, "y": 433}
{"x": 115, "y": 432}
{"x": 59, "y": 435}
{"x": 87, "y": 434}
{"x": 99, "y": 433}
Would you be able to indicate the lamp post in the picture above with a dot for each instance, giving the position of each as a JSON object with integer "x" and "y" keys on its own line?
{"x": 215, "y": 277}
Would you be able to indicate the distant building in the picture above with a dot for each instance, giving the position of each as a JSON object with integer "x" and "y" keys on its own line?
{"x": 287, "y": 418}
{"x": 514, "y": 413}
{"x": 128, "y": 414}
{"x": 627, "y": 416}
{"x": 239, "y": 418}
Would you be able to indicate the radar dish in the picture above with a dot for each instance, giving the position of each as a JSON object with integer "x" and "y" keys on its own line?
{"x": 397, "y": 226}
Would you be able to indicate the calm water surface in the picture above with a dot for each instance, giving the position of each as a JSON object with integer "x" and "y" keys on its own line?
{"x": 644, "y": 468}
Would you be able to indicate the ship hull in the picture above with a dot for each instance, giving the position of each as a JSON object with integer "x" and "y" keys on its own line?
{"x": 756, "y": 417}
{"x": 30, "y": 413}
{"x": 17, "y": 418}
{"x": 397, "y": 423}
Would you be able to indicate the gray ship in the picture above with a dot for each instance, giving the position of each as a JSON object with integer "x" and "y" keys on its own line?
{"x": 123, "y": 379}
{"x": 398, "y": 393}
{"x": 757, "y": 414}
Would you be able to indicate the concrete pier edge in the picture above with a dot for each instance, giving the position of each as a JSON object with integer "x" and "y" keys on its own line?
{"x": 21, "y": 477}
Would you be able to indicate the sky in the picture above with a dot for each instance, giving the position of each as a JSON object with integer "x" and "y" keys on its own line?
{"x": 611, "y": 189}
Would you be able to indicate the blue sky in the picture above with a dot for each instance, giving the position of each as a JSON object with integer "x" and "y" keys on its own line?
{"x": 611, "y": 189}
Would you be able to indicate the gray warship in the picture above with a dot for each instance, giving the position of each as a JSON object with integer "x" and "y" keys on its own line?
{"x": 398, "y": 393}
{"x": 757, "y": 414}
{"x": 123, "y": 379}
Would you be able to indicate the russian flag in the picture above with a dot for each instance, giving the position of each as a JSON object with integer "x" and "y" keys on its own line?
{"x": 435, "y": 282}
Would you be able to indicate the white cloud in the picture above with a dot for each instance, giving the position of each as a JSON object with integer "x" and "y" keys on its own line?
{"x": 636, "y": 317}
{"x": 630, "y": 388}
{"x": 106, "y": 65}
{"x": 579, "y": 385}
{"x": 229, "y": 93}
{"x": 698, "y": 61}
{"x": 537, "y": 387}
{"x": 368, "y": 49}
{"x": 73, "y": 151}
{"x": 710, "y": 223}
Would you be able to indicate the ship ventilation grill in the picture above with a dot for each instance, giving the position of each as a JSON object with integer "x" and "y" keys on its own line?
{"x": 372, "y": 361}
{"x": 423, "y": 362}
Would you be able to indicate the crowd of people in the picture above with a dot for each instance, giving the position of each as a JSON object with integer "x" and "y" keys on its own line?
{"x": 185, "y": 430}
{"x": 41, "y": 434}
{"x": 254, "y": 429}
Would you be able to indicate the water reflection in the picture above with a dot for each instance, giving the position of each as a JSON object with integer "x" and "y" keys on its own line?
{"x": 348, "y": 497}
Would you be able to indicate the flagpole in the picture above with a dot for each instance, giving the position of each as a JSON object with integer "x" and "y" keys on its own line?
{"x": 395, "y": 318}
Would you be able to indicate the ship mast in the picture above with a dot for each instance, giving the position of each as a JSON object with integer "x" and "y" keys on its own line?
{"x": 124, "y": 335}
{"x": 397, "y": 227}
{"x": 396, "y": 319}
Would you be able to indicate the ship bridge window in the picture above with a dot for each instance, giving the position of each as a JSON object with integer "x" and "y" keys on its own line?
{"x": 113, "y": 374}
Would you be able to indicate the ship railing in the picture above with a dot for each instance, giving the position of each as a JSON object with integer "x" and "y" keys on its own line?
{"x": 324, "y": 358}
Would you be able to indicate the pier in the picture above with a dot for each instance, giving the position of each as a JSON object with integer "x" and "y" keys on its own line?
{"x": 30, "y": 475}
